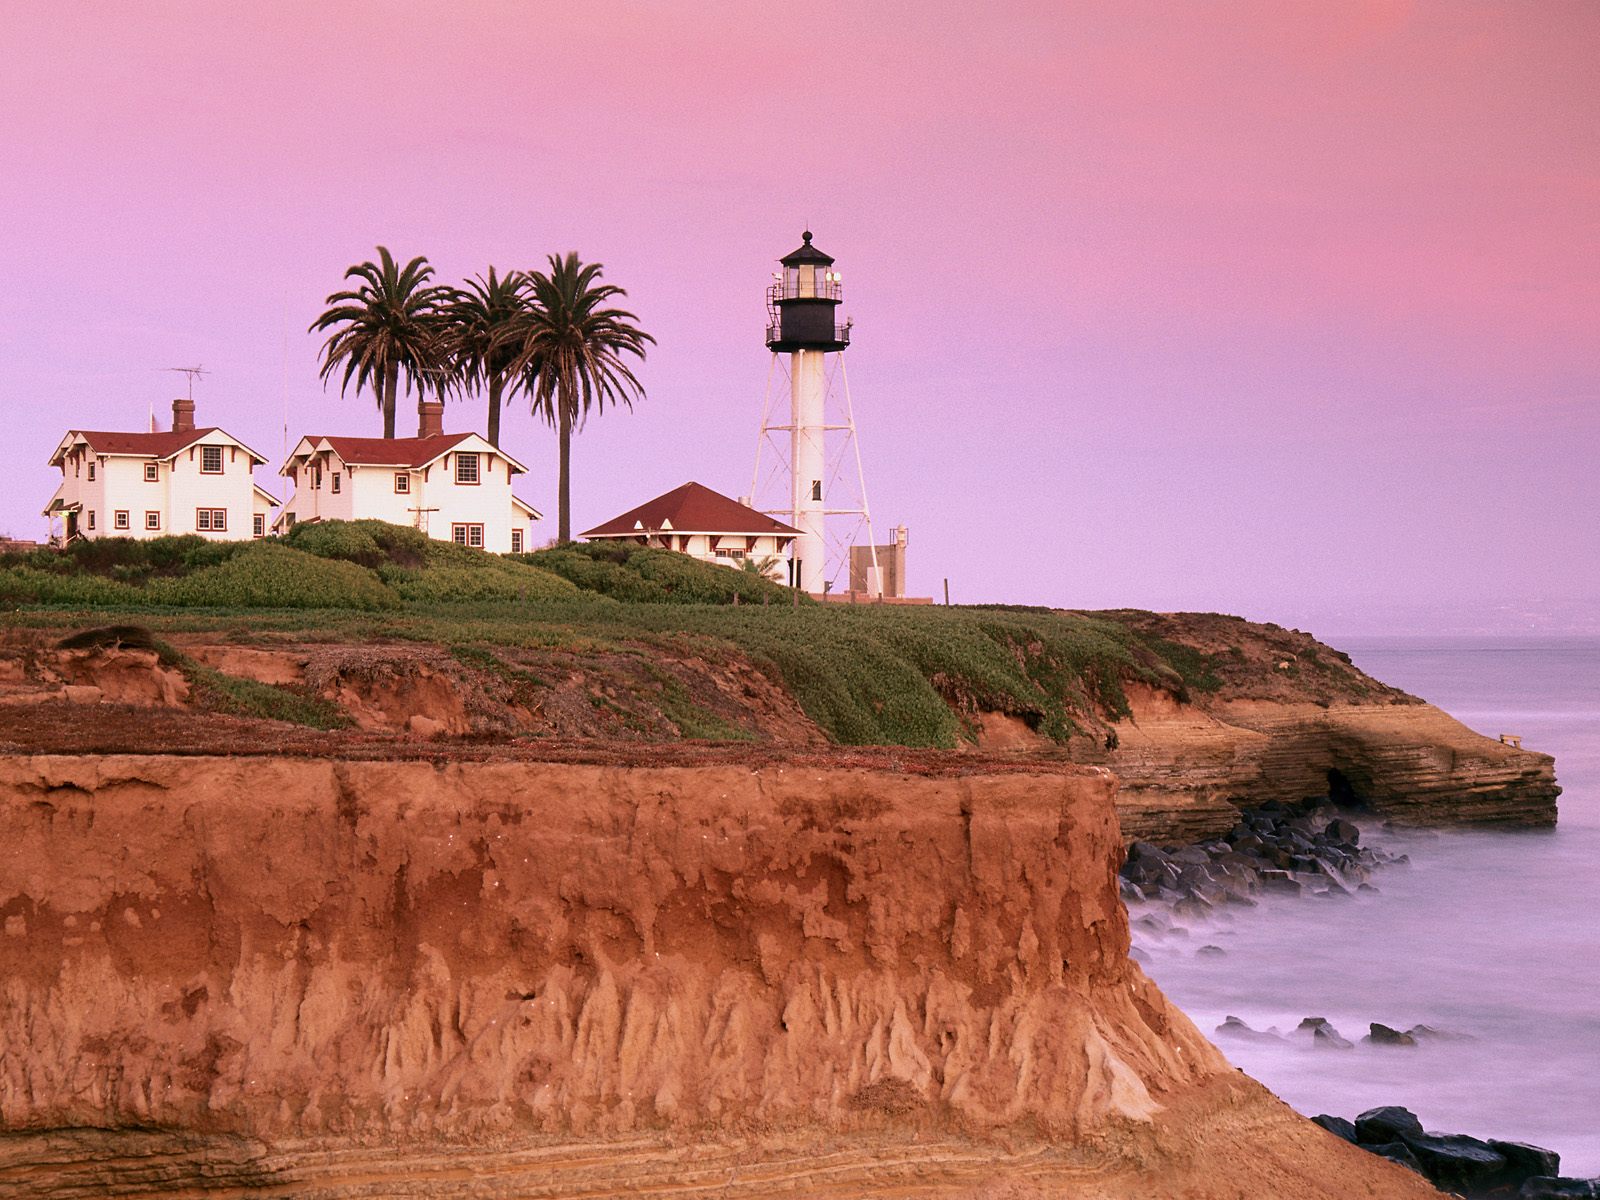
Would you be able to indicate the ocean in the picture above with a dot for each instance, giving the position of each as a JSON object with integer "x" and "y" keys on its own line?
{"x": 1491, "y": 935}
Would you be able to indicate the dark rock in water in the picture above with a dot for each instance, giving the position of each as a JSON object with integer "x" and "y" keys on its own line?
{"x": 1145, "y": 852}
{"x": 1191, "y": 906}
{"x": 1131, "y": 890}
{"x": 1546, "y": 1187}
{"x": 1367, "y": 887}
{"x": 1190, "y": 855}
{"x": 1327, "y": 1037}
{"x": 1280, "y": 881}
{"x": 1211, "y": 951}
{"x": 1343, "y": 831}
{"x": 1337, "y": 1126}
{"x": 1139, "y": 956}
{"x": 1382, "y": 1035}
{"x": 1397, "y": 1152}
{"x": 1233, "y": 1027}
{"x": 1427, "y": 1033}
{"x": 1377, "y": 1126}
{"x": 1524, "y": 1162}
{"x": 1455, "y": 1161}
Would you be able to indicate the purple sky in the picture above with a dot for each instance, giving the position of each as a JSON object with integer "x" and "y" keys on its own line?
{"x": 1233, "y": 306}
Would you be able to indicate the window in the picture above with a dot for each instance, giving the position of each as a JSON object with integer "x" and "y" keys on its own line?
{"x": 152, "y": 472}
{"x": 467, "y": 535}
{"x": 402, "y": 483}
{"x": 258, "y": 525}
{"x": 211, "y": 520}
{"x": 816, "y": 489}
{"x": 152, "y": 520}
{"x": 467, "y": 469}
{"x": 336, "y": 478}
{"x": 119, "y": 519}
{"x": 316, "y": 477}
{"x": 211, "y": 460}
{"x": 288, "y": 520}
{"x": 91, "y": 518}
{"x": 91, "y": 472}
{"x": 516, "y": 541}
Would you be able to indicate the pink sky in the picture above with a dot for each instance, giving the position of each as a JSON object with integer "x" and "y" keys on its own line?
{"x": 1235, "y": 306}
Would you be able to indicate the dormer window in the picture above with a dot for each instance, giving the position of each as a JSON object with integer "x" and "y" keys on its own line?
{"x": 211, "y": 460}
{"x": 152, "y": 472}
{"x": 466, "y": 468}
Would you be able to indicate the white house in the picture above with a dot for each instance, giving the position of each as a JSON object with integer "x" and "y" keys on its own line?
{"x": 694, "y": 520}
{"x": 452, "y": 486}
{"x": 147, "y": 485}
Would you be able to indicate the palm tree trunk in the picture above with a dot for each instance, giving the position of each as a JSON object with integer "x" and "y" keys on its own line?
{"x": 391, "y": 382}
{"x": 564, "y": 533}
{"x": 495, "y": 384}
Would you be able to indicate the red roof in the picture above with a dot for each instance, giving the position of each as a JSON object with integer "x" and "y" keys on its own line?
{"x": 692, "y": 508}
{"x": 393, "y": 452}
{"x": 149, "y": 445}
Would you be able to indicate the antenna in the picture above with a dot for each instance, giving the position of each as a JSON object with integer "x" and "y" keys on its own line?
{"x": 192, "y": 372}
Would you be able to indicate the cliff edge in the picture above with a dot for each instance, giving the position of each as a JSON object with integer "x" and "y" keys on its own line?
{"x": 315, "y": 977}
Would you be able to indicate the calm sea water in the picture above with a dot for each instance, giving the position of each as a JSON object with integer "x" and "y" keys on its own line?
{"x": 1492, "y": 935}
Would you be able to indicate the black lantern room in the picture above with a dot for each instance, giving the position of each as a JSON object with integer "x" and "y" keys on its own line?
{"x": 803, "y": 303}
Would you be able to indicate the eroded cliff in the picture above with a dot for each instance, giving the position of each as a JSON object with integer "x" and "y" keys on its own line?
{"x": 266, "y": 976}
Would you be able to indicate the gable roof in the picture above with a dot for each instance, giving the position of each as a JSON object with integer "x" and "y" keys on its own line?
{"x": 413, "y": 453}
{"x": 691, "y": 508}
{"x": 161, "y": 446}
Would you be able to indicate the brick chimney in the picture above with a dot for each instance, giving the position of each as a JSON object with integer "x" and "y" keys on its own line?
{"x": 430, "y": 418}
{"x": 182, "y": 416}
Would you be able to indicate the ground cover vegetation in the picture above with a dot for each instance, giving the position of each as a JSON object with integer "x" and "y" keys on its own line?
{"x": 865, "y": 674}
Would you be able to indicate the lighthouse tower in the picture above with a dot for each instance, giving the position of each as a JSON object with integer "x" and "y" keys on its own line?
{"x": 803, "y": 331}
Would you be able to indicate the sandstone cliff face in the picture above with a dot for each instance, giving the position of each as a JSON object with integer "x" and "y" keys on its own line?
{"x": 314, "y": 977}
{"x": 1185, "y": 768}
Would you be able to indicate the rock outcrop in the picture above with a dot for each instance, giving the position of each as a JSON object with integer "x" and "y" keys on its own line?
{"x": 1186, "y": 769}
{"x": 314, "y": 977}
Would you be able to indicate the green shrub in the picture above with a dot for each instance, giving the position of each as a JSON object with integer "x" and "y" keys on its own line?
{"x": 650, "y": 576}
{"x": 28, "y": 585}
{"x": 367, "y": 543}
{"x": 269, "y": 575}
{"x": 459, "y": 584}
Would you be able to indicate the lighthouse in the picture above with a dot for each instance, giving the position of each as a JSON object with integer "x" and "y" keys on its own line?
{"x": 803, "y": 330}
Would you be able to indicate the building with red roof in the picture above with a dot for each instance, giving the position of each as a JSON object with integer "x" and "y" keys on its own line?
{"x": 694, "y": 520}
{"x": 452, "y": 486}
{"x": 145, "y": 485}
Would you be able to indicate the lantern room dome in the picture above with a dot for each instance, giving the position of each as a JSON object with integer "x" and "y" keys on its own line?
{"x": 806, "y": 254}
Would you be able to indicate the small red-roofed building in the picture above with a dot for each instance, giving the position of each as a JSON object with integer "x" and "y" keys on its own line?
{"x": 148, "y": 485}
{"x": 452, "y": 486}
{"x": 694, "y": 520}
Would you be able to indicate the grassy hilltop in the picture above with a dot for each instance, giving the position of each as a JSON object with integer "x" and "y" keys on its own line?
{"x": 866, "y": 675}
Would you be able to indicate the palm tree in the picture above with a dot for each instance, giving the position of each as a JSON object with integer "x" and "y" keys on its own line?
{"x": 569, "y": 350}
{"x": 475, "y": 322}
{"x": 386, "y": 327}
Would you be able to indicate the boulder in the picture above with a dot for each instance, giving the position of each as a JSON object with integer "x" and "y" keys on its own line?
{"x": 1337, "y": 1126}
{"x": 1344, "y": 831}
{"x": 1397, "y": 1152}
{"x": 1455, "y": 1161}
{"x": 1190, "y": 855}
{"x": 1524, "y": 1162}
{"x": 1233, "y": 1027}
{"x": 1210, "y": 951}
{"x": 1382, "y": 1035}
{"x": 1377, "y": 1126}
{"x": 1549, "y": 1187}
{"x": 1327, "y": 1037}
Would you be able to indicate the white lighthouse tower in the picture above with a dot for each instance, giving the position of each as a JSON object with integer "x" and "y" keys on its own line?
{"x": 806, "y": 336}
